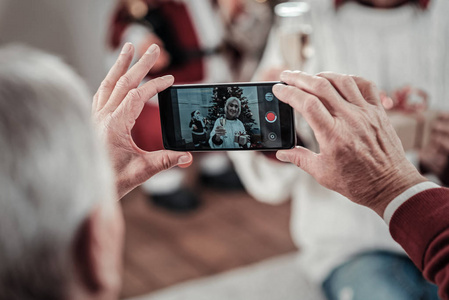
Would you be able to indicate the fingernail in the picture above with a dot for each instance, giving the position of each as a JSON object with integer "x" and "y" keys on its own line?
{"x": 184, "y": 159}
{"x": 126, "y": 48}
{"x": 168, "y": 77}
{"x": 277, "y": 88}
{"x": 152, "y": 49}
{"x": 282, "y": 157}
{"x": 284, "y": 75}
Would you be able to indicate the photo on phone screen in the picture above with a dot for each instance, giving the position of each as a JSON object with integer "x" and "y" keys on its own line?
{"x": 235, "y": 116}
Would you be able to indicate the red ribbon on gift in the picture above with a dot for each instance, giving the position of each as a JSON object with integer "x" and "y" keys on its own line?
{"x": 410, "y": 100}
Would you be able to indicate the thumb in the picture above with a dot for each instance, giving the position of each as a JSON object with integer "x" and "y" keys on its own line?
{"x": 301, "y": 157}
{"x": 159, "y": 161}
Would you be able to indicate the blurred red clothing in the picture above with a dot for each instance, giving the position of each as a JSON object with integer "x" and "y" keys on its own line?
{"x": 178, "y": 24}
{"x": 147, "y": 130}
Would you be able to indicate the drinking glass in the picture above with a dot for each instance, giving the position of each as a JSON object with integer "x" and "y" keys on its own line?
{"x": 293, "y": 26}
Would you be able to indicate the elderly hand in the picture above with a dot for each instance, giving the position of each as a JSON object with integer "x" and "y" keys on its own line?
{"x": 361, "y": 157}
{"x": 116, "y": 106}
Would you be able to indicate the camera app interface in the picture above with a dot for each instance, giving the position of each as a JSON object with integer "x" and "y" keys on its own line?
{"x": 227, "y": 117}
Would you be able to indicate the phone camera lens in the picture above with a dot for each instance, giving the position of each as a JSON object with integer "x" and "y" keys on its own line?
{"x": 272, "y": 136}
{"x": 269, "y": 97}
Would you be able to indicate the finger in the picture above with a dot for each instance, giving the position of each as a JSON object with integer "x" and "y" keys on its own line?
{"x": 442, "y": 142}
{"x": 161, "y": 160}
{"x": 118, "y": 69}
{"x": 369, "y": 90}
{"x": 186, "y": 165}
{"x": 346, "y": 86}
{"x": 310, "y": 107}
{"x": 131, "y": 107}
{"x": 301, "y": 157}
{"x": 441, "y": 126}
{"x": 443, "y": 116}
{"x": 436, "y": 140}
{"x": 318, "y": 86}
{"x": 131, "y": 79}
{"x": 387, "y": 102}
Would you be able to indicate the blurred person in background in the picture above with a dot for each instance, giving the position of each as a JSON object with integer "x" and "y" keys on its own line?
{"x": 201, "y": 41}
{"x": 344, "y": 248}
{"x": 61, "y": 228}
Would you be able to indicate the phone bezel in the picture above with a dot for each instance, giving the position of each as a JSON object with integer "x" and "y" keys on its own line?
{"x": 166, "y": 111}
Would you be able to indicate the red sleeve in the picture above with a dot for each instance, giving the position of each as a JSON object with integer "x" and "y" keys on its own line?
{"x": 421, "y": 227}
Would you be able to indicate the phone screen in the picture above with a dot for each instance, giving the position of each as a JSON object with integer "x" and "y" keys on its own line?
{"x": 233, "y": 116}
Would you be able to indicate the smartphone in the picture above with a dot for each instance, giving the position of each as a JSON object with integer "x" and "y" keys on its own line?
{"x": 225, "y": 117}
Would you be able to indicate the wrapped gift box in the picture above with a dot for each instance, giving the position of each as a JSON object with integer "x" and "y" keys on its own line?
{"x": 413, "y": 128}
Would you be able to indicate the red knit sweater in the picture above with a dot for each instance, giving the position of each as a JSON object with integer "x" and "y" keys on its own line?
{"x": 421, "y": 226}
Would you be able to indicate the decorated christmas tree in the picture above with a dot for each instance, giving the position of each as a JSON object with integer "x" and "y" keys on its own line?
{"x": 219, "y": 97}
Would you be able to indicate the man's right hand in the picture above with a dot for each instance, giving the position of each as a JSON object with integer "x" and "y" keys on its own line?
{"x": 361, "y": 156}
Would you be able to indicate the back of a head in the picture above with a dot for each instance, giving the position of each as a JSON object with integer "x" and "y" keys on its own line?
{"x": 52, "y": 172}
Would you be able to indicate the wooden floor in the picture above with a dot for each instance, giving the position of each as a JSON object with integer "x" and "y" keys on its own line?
{"x": 229, "y": 230}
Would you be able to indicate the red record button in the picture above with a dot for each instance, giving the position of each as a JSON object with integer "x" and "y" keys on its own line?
{"x": 271, "y": 117}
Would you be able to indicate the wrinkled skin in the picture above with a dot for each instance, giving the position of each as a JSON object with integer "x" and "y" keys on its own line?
{"x": 361, "y": 157}
{"x": 116, "y": 106}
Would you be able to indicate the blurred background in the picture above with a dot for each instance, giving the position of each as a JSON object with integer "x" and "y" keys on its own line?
{"x": 189, "y": 225}
{"x": 200, "y": 233}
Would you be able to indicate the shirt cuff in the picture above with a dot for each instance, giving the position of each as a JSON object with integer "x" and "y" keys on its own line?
{"x": 399, "y": 200}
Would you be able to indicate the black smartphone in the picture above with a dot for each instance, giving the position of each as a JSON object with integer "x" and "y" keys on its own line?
{"x": 224, "y": 117}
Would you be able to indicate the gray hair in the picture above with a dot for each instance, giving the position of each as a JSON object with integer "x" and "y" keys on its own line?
{"x": 52, "y": 172}
{"x": 230, "y": 99}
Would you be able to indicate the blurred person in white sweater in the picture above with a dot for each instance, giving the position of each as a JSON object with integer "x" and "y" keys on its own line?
{"x": 344, "y": 247}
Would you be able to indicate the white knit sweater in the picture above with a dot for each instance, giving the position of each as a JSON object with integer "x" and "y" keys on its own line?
{"x": 391, "y": 47}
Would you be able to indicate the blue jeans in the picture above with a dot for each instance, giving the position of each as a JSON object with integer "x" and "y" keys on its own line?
{"x": 378, "y": 276}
